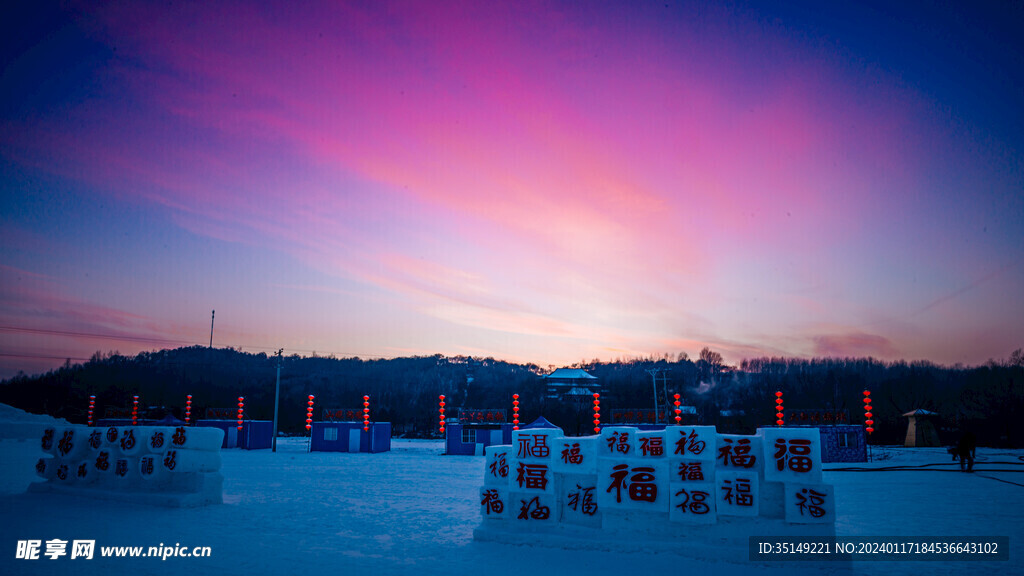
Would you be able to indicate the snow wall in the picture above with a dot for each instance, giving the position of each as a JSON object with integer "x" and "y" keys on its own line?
{"x": 683, "y": 487}
{"x": 164, "y": 466}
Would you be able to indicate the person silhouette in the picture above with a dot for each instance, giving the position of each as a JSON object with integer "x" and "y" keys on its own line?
{"x": 965, "y": 449}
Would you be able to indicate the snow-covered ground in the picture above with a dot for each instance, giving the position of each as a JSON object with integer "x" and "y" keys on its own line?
{"x": 413, "y": 511}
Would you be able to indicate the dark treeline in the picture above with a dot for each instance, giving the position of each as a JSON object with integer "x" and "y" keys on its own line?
{"x": 987, "y": 399}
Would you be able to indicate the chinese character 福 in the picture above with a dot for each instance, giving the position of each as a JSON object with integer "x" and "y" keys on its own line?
{"x": 571, "y": 454}
{"x": 796, "y": 456}
{"x": 690, "y": 443}
{"x": 619, "y": 441}
{"x": 493, "y": 502}
{"x": 691, "y": 471}
{"x": 499, "y": 469}
{"x": 738, "y": 455}
{"x": 815, "y": 507}
{"x": 532, "y": 476}
{"x": 693, "y": 502}
{"x": 538, "y": 513}
{"x": 587, "y": 505}
{"x": 742, "y": 494}
{"x": 652, "y": 446}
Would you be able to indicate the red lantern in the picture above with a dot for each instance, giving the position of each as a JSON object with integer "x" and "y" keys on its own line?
{"x": 515, "y": 411}
{"x": 779, "y": 418}
{"x": 188, "y": 409}
{"x": 366, "y": 413}
{"x": 441, "y": 410}
{"x": 867, "y": 413}
{"x": 92, "y": 406}
{"x": 309, "y": 413}
{"x": 241, "y": 412}
{"x": 135, "y": 410}
{"x": 597, "y": 413}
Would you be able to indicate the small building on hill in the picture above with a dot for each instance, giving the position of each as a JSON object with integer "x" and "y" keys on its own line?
{"x": 571, "y": 385}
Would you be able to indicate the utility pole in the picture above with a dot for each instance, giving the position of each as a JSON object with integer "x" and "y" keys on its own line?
{"x": 664, "y": 390}
{"x": 212, "y": 314}
{"x": 654, "y": 386}
{"x": 277, "y": 397}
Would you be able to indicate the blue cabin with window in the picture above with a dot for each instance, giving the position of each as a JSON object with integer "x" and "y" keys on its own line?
{"x": 350, "y": 437}
{"x": 254, "y": 435}
{"x": 470, "y": 439}
{"x": 843, "y": 443}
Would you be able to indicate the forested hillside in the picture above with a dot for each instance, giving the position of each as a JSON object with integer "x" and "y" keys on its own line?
{"x": 988, "y": 399}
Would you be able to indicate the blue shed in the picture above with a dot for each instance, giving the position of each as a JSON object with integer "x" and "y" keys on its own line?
{"x": 350, "y": 437}
{"x": 471, "y": 439}
{"x": 843, "y": 443}
{"x": 254, "y": 435}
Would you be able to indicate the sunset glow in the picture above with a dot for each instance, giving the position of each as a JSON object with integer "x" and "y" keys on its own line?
{"x": 541, "y": 182}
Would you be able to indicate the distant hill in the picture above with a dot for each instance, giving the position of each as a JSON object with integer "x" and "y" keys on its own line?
{"x": 404, "y": 391}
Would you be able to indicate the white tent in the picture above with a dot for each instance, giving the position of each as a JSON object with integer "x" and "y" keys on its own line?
{"x": 920, "y": 430}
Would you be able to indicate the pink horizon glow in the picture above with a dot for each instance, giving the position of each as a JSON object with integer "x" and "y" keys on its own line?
{"x": 587, "y": 184}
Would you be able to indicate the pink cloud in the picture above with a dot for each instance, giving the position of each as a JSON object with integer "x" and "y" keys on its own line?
{"x": 37, "y": 314}
{"x": 540, "y": 170}
{"x": 854, "y": 345}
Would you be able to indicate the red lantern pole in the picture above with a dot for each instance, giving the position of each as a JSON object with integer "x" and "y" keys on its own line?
{"x": 678, "y": 409}
{"x": 241, "y": 411}
{"x": 92, "y": 407}
{"x": 366, "y": 413}
{"x": 188, "y": 409}
{"x": 597, "y": 413}
{"x": 869, "y": 423}
{"x": 309, "y": 413}
{"x": 440, "y": 424}
{"x": 135, "y": 410}
{"x": 779, "y": 419}
{"x": 515, "y": 411}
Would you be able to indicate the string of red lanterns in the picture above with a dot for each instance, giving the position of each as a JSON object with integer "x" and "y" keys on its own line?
{"x": 309, "y": 413}
{"x": 366, "y": 413}
{"x": 188, "y": 409}
{"x": 92, "y": 406}
{"x": 241, "y": 411}
{"x": 515, "y": 411}
{"x": 440, "y": 425}
{"x": 135, "y": 410}
{"x": 867, "y": 413}
{"x": 779, "y": 418}
{"x": 678, "y": 409}
{"x": 597, "y": 413}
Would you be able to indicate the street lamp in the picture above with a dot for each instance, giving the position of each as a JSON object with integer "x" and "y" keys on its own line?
{"x": 277, "y": 398}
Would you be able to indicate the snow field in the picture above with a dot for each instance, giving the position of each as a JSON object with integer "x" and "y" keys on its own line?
{"x": 413, "y": 511}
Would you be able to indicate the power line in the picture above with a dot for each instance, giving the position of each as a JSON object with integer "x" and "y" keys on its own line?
{"x": 41, "y": 357}
{"x": 44, "y": 332}
{"x": 153, "y": 340}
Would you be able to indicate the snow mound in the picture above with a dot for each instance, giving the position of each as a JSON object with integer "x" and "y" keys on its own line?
{"x": 17, "y": 424}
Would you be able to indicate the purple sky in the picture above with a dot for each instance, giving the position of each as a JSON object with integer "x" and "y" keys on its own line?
{"x": 539, "y": 182}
